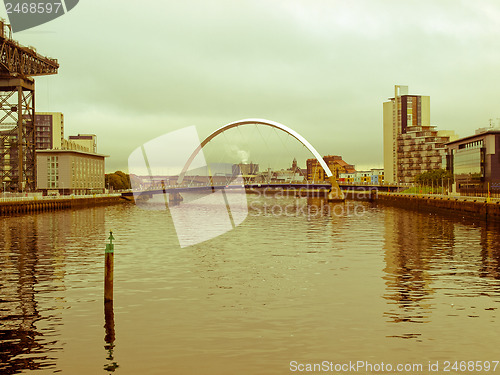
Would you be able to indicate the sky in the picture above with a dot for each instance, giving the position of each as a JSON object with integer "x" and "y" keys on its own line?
{"x": 131, "y": 71}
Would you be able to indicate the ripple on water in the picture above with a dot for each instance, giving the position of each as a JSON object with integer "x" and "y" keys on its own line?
{"x": 338, "y": 284}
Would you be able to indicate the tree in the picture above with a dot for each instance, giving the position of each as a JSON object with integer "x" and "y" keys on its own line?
{"x": 434, "y": 177}
{"x": 118, "y": 180}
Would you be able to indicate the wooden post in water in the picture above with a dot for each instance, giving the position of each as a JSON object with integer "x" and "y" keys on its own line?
{"x": 108, "y": 268}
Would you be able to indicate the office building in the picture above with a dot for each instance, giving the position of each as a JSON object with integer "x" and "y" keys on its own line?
{"x": 411, "y": 144}
{"x": 69, "y": 172}
{"x": 475, "y": 161}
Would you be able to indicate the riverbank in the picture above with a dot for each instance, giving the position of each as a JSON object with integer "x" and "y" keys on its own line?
{"x": 471, "y": 207}
{"x": 42, "y": 204}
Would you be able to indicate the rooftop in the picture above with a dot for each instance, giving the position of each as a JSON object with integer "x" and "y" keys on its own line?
{"x": 474, "y": 136}
{"x": 60, "y": 151}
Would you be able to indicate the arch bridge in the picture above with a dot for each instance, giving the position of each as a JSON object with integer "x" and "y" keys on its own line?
{"x": 335, "y": 191}
{"x": 332, "y": 186}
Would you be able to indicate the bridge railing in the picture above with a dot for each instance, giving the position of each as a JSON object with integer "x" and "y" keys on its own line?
{"x": 199, "y": 184}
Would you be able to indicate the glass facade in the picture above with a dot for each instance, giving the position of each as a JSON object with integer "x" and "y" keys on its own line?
{"x": 468, "y": 162}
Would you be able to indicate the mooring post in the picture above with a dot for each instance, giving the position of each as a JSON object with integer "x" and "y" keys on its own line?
{"x": 108, "y": 268}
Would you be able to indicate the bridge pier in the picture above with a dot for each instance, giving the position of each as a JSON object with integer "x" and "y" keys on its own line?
{"x": 175, "y": 197}
{"x": 336, "y": 194}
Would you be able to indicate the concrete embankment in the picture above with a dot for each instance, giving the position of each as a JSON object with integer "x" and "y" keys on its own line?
{"x": 9, "y": 207}
{"x": 472, "y": 207}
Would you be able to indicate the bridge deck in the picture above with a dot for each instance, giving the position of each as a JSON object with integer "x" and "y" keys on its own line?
{"x": 288, "y": 186}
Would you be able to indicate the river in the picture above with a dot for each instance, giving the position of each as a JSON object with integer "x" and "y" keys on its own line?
{"x": 280, "y": 293}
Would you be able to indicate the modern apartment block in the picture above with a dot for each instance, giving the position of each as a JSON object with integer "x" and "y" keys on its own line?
{"x": 411, "y": 144}
{"x": 47, "y": 133}
{"x": 49, "y": 130}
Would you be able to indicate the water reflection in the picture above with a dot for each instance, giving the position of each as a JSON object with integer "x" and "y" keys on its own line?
{"x": 32, "y": 290}
{"x": 306, "y": 280}
{"x": 428, "y": 254}
{"x": 490, "y": 251}
{"x": 109, "y": 337}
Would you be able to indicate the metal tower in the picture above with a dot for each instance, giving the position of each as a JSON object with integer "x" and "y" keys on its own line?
{"x": 18, "y": 64}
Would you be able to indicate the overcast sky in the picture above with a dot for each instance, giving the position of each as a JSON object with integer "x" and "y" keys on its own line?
{"x": 131, "y": 71}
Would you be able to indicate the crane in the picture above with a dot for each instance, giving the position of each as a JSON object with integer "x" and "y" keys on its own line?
{"x": 18, "y": 65}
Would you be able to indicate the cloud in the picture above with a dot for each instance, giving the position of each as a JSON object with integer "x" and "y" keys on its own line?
{"x": 322, "y": 67}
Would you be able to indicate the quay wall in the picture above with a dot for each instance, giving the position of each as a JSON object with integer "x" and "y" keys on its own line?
{"x": 471, "y": 207}
{"x": 42, "y": 205}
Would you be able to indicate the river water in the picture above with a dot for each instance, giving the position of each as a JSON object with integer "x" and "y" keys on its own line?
{"x": 284, "y": 290}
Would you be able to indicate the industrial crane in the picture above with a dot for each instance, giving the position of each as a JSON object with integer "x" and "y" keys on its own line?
{"x": 18, "y": 64}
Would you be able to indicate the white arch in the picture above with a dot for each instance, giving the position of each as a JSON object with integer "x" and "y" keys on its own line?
{"x": 256, "y": 121}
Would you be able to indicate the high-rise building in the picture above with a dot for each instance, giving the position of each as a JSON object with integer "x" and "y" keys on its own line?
{"x": 411, "y": 145}
{"x": 49, "y": 130}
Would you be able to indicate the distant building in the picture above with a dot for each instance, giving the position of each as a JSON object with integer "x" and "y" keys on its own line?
{"x": 286, "y": 176}
{"x": 246, "y": 169}
{"x": 475, "y": 160}
{"x": 295, "y": 167}
{"x": 88, "y": 141}
{"x": 335, "y": 163}
{"x": 69, "y": 172}
{"x": 347, "y": 178}
{"x": 66, "y": 166}
{"x": 372, "y": 177}
{"x": 377, "y": 176}
{"x": 49, "y": 130}
{"x": 411, "y": 145}
{"x": 47, "y": 133}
